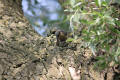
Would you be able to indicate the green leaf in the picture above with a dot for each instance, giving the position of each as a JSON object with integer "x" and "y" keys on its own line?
{"x": 100, "y": 58}
{"x": 93, "y": 49}
{"x": 78, "y": 4}
{"x": 76, "y": 18}
{"x": 72, "y": 2}
{"x": 70, "y": 39}
{"x": 83, "y": 21}
{"x": 105, "y": 3}
{"x": 98, "y": 2}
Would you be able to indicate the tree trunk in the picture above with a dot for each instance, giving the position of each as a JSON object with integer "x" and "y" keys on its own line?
{"x": 18, "y": 43}
{"x": 25, "y": 55}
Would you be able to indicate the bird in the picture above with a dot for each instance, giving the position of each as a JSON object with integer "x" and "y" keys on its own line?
{"x": 61, "y": 36}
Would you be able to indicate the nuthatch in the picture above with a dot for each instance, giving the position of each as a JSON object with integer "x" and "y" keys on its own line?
{"x": 61, "y": 36}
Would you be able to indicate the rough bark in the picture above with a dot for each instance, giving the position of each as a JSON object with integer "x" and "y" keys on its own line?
{"x": 25, "y": 55}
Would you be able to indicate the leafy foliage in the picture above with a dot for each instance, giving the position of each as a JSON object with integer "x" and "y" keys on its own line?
{"x": 101, "y": 23}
